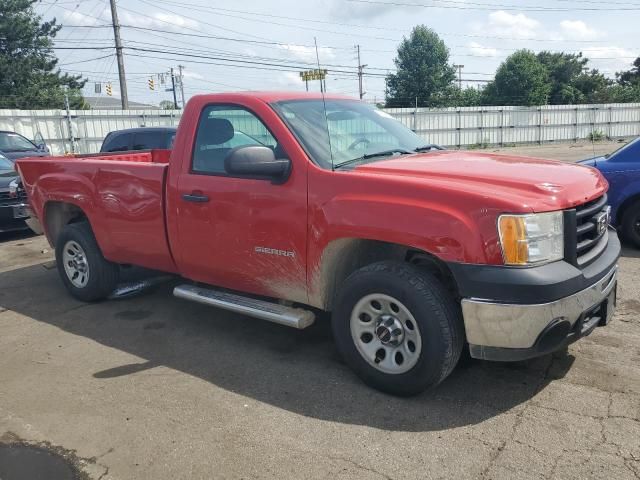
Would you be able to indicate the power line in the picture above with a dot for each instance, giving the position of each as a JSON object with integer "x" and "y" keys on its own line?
{"x": 492, "y": 6}
{"x": 261, "y": 16}
{"x": 85, "y": 61}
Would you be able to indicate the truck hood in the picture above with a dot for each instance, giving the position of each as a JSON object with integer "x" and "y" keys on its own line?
{"x": 13, "y": 156}
{"x": 530, "y": 183}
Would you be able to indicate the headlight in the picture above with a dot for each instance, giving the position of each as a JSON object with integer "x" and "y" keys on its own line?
{"x": 13, "y": 188}
{"x": 531, "y": 239}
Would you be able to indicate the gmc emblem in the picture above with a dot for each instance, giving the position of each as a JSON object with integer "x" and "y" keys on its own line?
{"x": 602, "y": 220}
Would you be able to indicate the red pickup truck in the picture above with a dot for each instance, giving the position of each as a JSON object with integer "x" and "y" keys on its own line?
{"x": 280, "y": 205}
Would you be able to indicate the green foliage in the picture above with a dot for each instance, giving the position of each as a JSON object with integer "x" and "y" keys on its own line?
{"x": 617, "y": 94}
{"x": 520, "y": 80}
{"x": 29, "y": 77}
{"x": 596, "y": 136}
{"x": 563, "y": 69}
{"x": 423, "y": 71}
{"x": 630, "y": 77}
{"x": 167, "y": 105}
{"x": 467, "y": 97}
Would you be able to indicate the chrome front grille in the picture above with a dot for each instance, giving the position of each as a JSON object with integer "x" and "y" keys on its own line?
{"x": 586, "y": 231}
{"x": 7, "y": 199}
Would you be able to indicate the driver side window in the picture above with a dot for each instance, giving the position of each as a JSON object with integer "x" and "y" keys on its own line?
{"x": 221, "y": 129}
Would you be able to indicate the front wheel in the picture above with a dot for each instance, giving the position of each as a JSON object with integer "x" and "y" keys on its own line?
{"x": 398, "y": 328}
{"x": 631, "y": 223}
{"x": 84, "y": 271}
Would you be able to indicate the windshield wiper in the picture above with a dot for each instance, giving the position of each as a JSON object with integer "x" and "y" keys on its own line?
{"x": 428, "y": 148}
{"x": 366, "y": 156}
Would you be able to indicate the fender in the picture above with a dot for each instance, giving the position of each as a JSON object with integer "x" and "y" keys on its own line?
{"x": 76, "y": 190}
{"x": 354, "y": 229}
{"x": 620, "y": 200}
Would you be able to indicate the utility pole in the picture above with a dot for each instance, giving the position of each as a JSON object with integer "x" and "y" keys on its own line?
{"x": 173, "y": 89}
{"x": 72, "y": 140}
{"x": 116, "y": 34}
{"x": 459, "y": 67}
{"x": 360, "y": 74}
{"x": 180, "y": 68}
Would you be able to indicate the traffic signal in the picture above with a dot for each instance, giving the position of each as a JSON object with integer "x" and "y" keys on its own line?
{"x": 152, "y": 84}
{"x": 109, "y": 89}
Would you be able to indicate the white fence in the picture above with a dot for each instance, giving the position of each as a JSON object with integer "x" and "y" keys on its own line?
{"x": 84, "y": 130}
{"x": 471, "y": 126}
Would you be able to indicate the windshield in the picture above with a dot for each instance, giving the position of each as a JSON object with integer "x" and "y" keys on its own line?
{"x": 356, "y": 130}
{"x": 12, "y": 142}
{"x": 5, "y": 163}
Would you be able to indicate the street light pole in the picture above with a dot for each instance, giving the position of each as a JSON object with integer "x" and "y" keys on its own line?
{"x": 459, "y": 67}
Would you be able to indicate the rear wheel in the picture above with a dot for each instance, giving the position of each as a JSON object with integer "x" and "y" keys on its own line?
{"x": 631, "y": 223}
{"x": 84, "y": 271}
{"x": 398, "y": 328}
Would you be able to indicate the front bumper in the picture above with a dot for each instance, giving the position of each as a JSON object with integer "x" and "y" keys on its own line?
{"x": 8, "y": 220}
{"x": 507, "y": 325}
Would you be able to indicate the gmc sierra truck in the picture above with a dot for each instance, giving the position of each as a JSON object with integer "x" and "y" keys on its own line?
{"x": 283, "y": 205}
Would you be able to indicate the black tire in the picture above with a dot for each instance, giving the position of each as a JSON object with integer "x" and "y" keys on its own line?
{"x": 436, "y": 312}
{"x": 630, "y": 224}
{"x": 102, "y": 274}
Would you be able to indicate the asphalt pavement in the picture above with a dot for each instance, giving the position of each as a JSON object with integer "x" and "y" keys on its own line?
{"x": 153, "y": 387}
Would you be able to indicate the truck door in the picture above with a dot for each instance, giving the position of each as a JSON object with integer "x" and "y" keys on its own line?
{"x": 240, "y": 233}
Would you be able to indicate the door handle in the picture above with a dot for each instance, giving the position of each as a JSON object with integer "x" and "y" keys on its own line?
{"x": 195, "y": 197}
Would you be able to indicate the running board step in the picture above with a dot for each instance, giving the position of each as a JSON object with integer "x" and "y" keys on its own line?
{"x": 273, "y": 312}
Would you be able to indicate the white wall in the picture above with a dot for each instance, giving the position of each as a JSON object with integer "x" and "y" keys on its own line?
{"x": 467, "y": 126}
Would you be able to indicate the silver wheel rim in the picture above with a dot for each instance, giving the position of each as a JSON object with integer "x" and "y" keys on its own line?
{"x": 75, "y": 264}
{"x": 385, "y": 333}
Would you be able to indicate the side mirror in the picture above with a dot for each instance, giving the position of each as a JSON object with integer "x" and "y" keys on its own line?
{"x": 41, "y": 145}
{"x": 257, "y": 162}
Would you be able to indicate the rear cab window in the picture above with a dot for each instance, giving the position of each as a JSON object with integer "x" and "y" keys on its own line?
{"x": 150, "y": 140}
{"x": 117, "y": 142}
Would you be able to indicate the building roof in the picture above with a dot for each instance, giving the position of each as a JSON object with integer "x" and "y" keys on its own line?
{"x": 114, "y": 103}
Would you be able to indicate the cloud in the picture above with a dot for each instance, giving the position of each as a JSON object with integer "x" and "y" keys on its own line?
{"x": 77, "y": 18}
{"x": 192, "y": 75}
{"x": 157, "y": 20}
{"x": 481, "y": 51}
{"x": 355, "y": 10}
{"x": 609, "y": 58}
{"x": 578, "y": 30}
{"x": 505, "y": 24}
{"x": 308, "y": 54}
{"x": 290, "y": 80}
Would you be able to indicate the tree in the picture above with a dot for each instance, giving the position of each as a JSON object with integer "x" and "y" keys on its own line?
{"x": 563, "y": 69}
{"x": 520, "y": 80}
{"x": 617, "y": 94}
{"x": 466, "y": 97}
{"x": 423, "y": 71}
{"x": 167, "y": 105}
{"x": 30, "y": 77}
{"x": 630, "y": 77}
{"x": 571, "y": 81}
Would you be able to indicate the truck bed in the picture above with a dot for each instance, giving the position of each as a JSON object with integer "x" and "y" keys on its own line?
{"x": 122, "y": 194}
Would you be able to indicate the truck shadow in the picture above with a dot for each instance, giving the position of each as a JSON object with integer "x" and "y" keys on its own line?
{"x": 298, "y": 371}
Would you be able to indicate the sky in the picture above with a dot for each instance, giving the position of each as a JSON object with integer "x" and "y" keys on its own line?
{"x": 227, "y": 45}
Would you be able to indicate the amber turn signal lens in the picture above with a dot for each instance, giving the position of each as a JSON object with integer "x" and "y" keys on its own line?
{"x": 513, "y": 236}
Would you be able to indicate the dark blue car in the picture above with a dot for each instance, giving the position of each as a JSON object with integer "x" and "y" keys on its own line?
{"x": 622, "y": 169}
{"x": 15, "y": 146}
